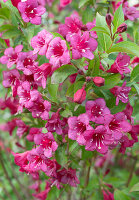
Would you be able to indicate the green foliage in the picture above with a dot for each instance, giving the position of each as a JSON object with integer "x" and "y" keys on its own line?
{"x": 118, "y": 18}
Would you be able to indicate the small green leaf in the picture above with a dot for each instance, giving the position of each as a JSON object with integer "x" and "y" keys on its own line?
{"x": 119, "y": 195}
{"x": 4, "y": 13}
{"x": 111, "y": 81}
{"x": 103, "y": 38}
{"x": 93, "y": 67}
{"x": 87, "y": 15}
{"x": 86, "y": 154}
{"x": 118, "y": 18}
{"x": 13, "y": 32}
{"x": 100, "y": 29}
{"x": 126, "y": 47}
{"x": 62, "y": 73}
{"x": 135, "y": 188}
{"x": 135, "y": 74}
{"x": 82, "y": 3}
{"x": 53, "y": 89}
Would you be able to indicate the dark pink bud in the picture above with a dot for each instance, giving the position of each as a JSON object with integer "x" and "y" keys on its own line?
{"x": 88, "y": 78}
{"x": 80, "y": 71}
{"x": 108, "y": 19}
{"x": 84, "y": 28}
{"x": 98, "y": 81}
{"x": 122, "y": 28}
{"x": 80, "y": 95}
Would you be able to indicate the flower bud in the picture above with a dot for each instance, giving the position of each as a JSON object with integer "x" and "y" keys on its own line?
{"x": 108, "y": 19}
{"x": 88, "y": 78}
{"x": 122, "y": 28}
{"x": 80, "y": 95}
{"x": 98, "y": 81}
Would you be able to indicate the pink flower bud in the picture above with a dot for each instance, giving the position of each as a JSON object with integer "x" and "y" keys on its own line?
{"x": 122, "y": 28}
{"x": 80, "y": 95}
{"x": 108, "y": 19}
{"x": 98, "y": 81}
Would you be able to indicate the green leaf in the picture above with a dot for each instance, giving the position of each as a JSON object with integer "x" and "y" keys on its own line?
{"x": 13, "y": 32}
{"x": 118, "y": 18}
{"x": 82, "y": 3}
{"x": 100, "y": 29}
{"x": 62, "y": 73}
{"x": 93, "y": 68}
{"x": 135, "y": 188}
{"x": 111, "y": 81}
{"x": 87, "y": 15}
{"x": 70, "y": 91}
{"x": 136, "y": 86}
{"x": 103, "y": 38}
{"x": 86, "y": 154}
{"x": 5, "y": 27}
{"x": 135, "y": 74}
{"x": 53, "y": 89}
{"x": 3, "y": 43}
{"x": 4, "y": 13}
{"x": 126, "y": 47}
{"x": 119, "y": 195}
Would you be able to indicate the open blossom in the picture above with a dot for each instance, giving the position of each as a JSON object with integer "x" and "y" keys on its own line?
{"x": 26, "y": 62}
{"x": 43, "y": 194}
{"x": 120, "y": 65}
{"x": 58, "y": 53}
{"x": 83, "y": 45}
{"x": 72, "y": 26}
{"x": 98, "y": 139}
{"x": 41, "y": 41}
{"x": 97, "y": 110}
{"x": 47, "y": 144}
{"x": 32, "y": 132}
{"x": 117, "y": 124}
{"x": 125, "y": 142}
{"x": 20, "y": 158}
{"x": 64, "y": 3}
{"x": 91, "y": 25}
{"x": 55, "y": 124}
{"x": 77, "y": 127}
{"x": 41, "y": 73}
{"x": 21, "y": 127}
{"x": 121, "y": 93}
{"x": 10, "y": 103}
{"x": 11, "y": 79}
{"x": 11, "y": 55}
{"x": 31, "y": 11}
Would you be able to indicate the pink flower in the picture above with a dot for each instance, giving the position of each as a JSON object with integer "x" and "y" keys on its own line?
{"x": 68, "y": 176}
{"x": 83, "y": 45}
{"x": 20, "y": 159}
{"x": 31, "y": 11}
{"x": 72, "y": 26}
{"x": 77, "y": 127}
{"x": 91, "y": 25}
{"x": 125, "y": 142}
{"x": 64, "y": 3}
{"x": 11, "y": 56}
{"x": 40, "y": 109}
{"x": 120, "y": 65}
{"x": 130, "y": 13}
{"x": 32, "y": 132}
{"x": 58, "y": 53}
{"x": 55, "y": 124}
{"x": 26, "y": 62}
{"x": 21, "y": 127}
{"x": 15, "y": 2}
{"x": 47, "y": 144}
{"x": 11, "y": 79}
{"x": 98, "y": 81}
{"x": 10, "y": 103}
{"x": 9, "y": 126}
{"x": 41, "y": 73}
{"x": 128, "y": 112}
{"x": 135, "y": 132}
{"x": 121, "y": 93}
{"x": 97, "y": 110}
{"x": 107, "y": 195}
{"x": 98, "y": 139}
{"x": 117, "y": 125}
{"x": 41, "y": 41}
{"x": 43, "y": 194}
{"x": 80, "y": 95}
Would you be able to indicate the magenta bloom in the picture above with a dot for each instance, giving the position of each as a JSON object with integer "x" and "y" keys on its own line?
{"x": 32, "y": 132}
{"x": 98, "y": 139}
{"x": 80, "y": 95}
{"x": 20, "y": 159}
{"x": 77, "y": 127}
{"x": 11, "y": 56}
{"x": 31, "y": 11}
{"x": 55, "y": 124}
{"x": 97, "y": 111}
{"x": 130, "y": 13}
{"x": 40, "y": 42}
{"x": 26, "y": 62}
{"x": 41, "y": 73}
{"x": 11, "y": 79}
{"x": 58, "y": 53}
{"x": 107, "y": 195}
{"x": 91, "y": 25}
{"x": 125, "y": 142}
{"x": 72, "y": 26}
{"x": 68, "y": 176}
{"x": 40, "y": 109}
{"x": 117, "y": 125}
{"x": 10, "y": 103}
{"x": 121, "y": 93}
{"x": 21, "y": 127}
{"x": 64, "y": 3}
{"x": 47, "y": 144}
{"x": 120, "y": 65}
{"x": 9, "y": 126}
{"x": 83, "y": 45}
